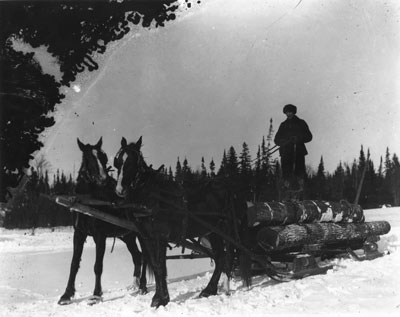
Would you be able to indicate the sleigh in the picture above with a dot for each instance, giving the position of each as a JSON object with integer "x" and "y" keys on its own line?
{"x": 288, "y": 240}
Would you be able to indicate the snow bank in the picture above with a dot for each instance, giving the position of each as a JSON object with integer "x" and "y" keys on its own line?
{"x": 351, "y": 288}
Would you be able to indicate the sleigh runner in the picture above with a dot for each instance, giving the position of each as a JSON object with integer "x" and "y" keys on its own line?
{"x": 287, "y": 235}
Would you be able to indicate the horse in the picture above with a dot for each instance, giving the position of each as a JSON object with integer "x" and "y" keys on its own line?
{"x": 180, "y": 212}
{"x": 94, "y": 180}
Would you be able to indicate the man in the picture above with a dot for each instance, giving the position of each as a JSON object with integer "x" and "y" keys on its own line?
{"x": 291, "y": 136}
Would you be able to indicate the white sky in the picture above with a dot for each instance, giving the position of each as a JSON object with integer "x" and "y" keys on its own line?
{"x": 215, "y": 77}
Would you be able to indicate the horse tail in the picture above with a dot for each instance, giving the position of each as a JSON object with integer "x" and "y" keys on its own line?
{"x": 150, "y": 270}
{"x": 146, "y": 261}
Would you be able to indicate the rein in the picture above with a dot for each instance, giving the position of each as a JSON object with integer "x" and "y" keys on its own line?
{"x": 265, "y": 263}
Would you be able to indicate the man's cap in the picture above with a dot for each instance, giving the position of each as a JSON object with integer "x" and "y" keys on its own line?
{"x": 290, "y": 108}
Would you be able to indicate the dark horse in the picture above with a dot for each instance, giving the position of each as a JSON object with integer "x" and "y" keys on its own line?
{"x": 179, "y": 213}
{"x": 94, "y": 180}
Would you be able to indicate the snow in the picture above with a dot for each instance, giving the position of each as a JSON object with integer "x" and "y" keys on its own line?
{"x": 34, "y": 267}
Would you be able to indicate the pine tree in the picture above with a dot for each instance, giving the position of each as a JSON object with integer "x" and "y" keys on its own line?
{"x": 337, "y": 189}
{"x": 395, "y": 180}
{"x": 203, "y": 172}
{"x": 264, "y": 157}
{"x": 369, "y": 198}
{"x": 361, "y": 161}
{"x": 387, "y": 183}
{"x": 170, "y": 174}
{"x": 270, "y": 134}
{"x": 321, "y": 180}
{"x": 245, "y": 171}
{"x": 232, "y": 166}
{"x": 257, "y": 167}
{"x": 222, "y": 171}
{"x": 245, "y": 160}
{"x": 186, "y": 171}
{"x": 47, "y": 182}
{"x": 388, "y": 162}
{"x": 178, "y": 172}
{"x": 212, "y": 168}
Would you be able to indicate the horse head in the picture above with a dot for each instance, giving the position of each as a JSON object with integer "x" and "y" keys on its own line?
{"x": 93, "y": 169}
{"x": 130, "y": 164}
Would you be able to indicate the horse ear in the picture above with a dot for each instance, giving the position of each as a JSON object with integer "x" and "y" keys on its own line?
{"x": 100, "y": 143}
{"x": 139, "y": 142}
{"x": 123, "y": 142}
{"x": 81, "y": 145}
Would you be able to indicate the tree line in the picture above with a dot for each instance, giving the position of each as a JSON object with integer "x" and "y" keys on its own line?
{"x": 258, "y": 178}
{"x": 261, "y": 178}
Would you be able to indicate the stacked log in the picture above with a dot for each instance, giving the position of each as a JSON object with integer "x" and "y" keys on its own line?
{"x": 296, "y": 235}
{"x": 306, "y": 211}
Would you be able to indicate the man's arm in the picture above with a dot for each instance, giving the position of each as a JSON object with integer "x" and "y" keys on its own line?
{"x": 307, "y": 136}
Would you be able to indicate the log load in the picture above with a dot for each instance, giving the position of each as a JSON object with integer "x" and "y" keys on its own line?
{"x": 325, "y": 233}
{"x": 306, "y": 211}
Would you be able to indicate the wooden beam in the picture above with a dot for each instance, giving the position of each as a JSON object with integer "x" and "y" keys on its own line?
{"x": 92, "y": 212}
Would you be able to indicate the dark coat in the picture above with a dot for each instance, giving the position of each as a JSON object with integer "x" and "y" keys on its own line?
{"x": 293, "y": 131}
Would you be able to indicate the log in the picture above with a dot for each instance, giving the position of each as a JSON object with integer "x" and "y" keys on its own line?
{"x": 295, "y": 235}
{"x": 306, "y": 211}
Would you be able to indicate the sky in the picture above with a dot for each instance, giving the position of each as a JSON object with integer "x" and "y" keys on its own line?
{"x": 214, "y": 78}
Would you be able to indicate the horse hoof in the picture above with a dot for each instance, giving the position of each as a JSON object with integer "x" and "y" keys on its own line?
{"x": 132, "y": 288}
{"x": 143, "y": 291}
{"x": 64, "y": 301}
{"x": 206, "y": 293}
{"x": 157, "y": 302}
{"x": 94, "y": 300}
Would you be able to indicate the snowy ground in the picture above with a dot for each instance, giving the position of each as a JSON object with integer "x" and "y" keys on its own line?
{"x": 34, "y": 271}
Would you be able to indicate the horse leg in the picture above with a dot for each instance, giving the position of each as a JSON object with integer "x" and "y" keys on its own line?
{"x": 157, "y": 249}
{"x": 130, "y": 241}
{"x": 100, "y": 241}
{"x": 217, "y": 245}
{"x": 143, "y": 278}
{"x": 79, "y": 240}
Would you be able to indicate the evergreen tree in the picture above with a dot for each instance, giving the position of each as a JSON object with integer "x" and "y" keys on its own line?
{"x": 264, "y": 156}
{"x": 395, "y": 180}
{"x": 388, "y": 181}
{"x": 245, "y": 161}
{"x": 257, "y": 167}
{"x": 170, "y": 174}
{"x": 223, "y": 167}
{"x": 232, "y": 166}
{"x": 212, "y": 168}
{"x": 203, "y": 172}
{"x": 47, "y": 182}
{"x": 321, "y": 180}
{"x": 369, "y": 197}
{"x": 388, "y": 162}
{"x": 186, "y": 171}
{"x": 270, "y": 134}
{"x": 361, "y": 161}
{"x": 178, "y": 172}
{"x": 338, "y": 179}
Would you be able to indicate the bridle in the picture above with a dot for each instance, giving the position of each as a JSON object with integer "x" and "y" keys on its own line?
{"x": 84, "y": 172}
{"x": 140, "y": 165}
